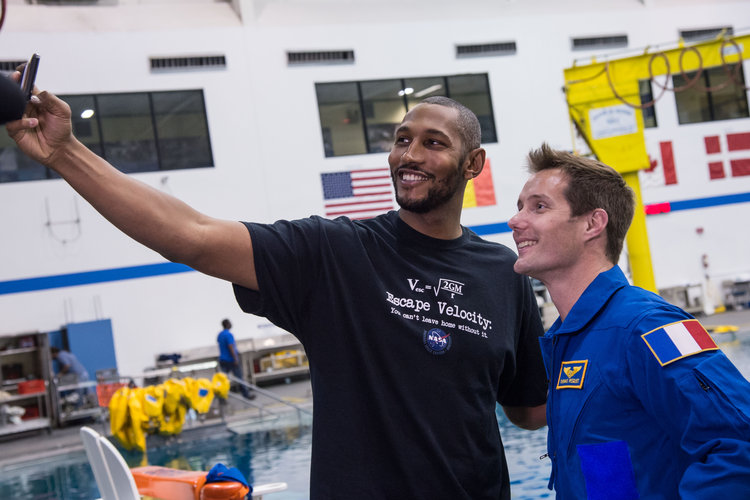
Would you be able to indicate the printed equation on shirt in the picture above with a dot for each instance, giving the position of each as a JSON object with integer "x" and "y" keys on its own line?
{"x": 434, "y": 308}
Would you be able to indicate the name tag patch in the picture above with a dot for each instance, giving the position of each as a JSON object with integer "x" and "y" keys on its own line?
{"x": 572, "y": 374}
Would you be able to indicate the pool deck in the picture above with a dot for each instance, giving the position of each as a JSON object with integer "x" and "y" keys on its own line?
{"x": 40, "y": 445}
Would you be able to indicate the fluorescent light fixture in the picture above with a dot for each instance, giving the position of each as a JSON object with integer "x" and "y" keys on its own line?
{"x": 87, "y": 113}
{"x": 428, "y": 90}
{"x": 406, "y": 91}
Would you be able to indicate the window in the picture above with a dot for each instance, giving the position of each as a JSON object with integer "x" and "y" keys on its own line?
{"x": 719, "y": 94}
{"x": 135, "y": 132}
{"x": 647, "y": 96}
{"x": 361, "y": 117}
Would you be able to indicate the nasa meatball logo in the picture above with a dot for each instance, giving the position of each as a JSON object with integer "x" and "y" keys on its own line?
{"x": 436, "y": 341}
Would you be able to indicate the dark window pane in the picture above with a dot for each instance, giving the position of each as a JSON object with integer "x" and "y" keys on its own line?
{"x": 361, "y": 117}
{"x": 423, "y": 88}
{"x": 182, "y": 130}
{"x": 384, "y": 105}
{"x": 340, "y": 119}
{"x": 125, "y": 129}
{"x": 647, "y": 96}
{"x": 473, "y": 92}
{"x": 85, "y": 120}
{"x": 128, "y": 132}
{"x": 16, "y": 166}
{"x": 693, "y": 105}
{"x": 729, "y": 98}
{"x": 715, "y": 96}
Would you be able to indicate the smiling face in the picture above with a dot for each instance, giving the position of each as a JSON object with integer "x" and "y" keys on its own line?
{"x": 549, "y": 240}
{"x": 428, "y": 163}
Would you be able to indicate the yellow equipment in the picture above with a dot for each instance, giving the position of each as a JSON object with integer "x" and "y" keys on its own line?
{"x": 160, "y": 408}
{"x": 604, "y": 104}
{"x": 221, "y": 384}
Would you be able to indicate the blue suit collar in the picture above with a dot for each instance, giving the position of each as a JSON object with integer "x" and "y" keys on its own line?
{"x": 593, "y": 300}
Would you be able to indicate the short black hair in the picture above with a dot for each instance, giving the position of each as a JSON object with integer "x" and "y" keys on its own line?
{"x": 467, "y": 124}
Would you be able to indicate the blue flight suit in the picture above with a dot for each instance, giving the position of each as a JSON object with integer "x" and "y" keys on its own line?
{"x": 630, "y": 419}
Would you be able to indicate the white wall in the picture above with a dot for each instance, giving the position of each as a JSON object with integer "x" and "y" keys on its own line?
{"x": 266, "y": 139}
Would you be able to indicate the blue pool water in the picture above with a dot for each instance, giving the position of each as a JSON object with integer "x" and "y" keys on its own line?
{"x": 277, "y": 455}
{"x": 264, "y": 457}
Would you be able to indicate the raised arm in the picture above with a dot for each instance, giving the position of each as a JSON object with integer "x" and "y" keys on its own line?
{"x": 161, "y": 222}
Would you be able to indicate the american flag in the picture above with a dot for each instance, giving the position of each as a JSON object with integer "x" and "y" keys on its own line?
{"x": 357, "y": 194}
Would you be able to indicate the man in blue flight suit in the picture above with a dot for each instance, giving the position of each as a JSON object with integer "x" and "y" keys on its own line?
{"x": 642, "y": 402}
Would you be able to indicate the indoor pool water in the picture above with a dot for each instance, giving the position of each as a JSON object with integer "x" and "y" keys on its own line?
{"x": 278, "y": 455}
{"x": 263, "y": 457}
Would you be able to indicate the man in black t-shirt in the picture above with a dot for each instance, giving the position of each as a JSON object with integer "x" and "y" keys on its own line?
{"x": 414, "y": 326}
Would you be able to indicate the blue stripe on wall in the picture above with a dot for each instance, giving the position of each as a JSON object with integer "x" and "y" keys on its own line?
{"x": 711, "y": 201}
{"x": 91, "y": 277}
{"x": 485, "y": 229}
{"x": 148, "y": 270}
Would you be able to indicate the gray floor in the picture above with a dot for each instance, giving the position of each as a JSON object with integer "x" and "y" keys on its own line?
{"x": 43, "y": 444}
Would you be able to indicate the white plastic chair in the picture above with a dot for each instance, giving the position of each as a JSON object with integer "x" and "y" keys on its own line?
{"x": 111, "y": 473}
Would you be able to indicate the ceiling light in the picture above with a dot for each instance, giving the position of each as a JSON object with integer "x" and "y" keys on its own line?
{"x": 428, "y": 90}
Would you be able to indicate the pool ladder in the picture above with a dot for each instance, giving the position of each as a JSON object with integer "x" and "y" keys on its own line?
{"x": 285, "y": 413}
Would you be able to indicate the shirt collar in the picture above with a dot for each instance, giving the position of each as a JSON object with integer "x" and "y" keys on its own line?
{"x": 591, "y": 301}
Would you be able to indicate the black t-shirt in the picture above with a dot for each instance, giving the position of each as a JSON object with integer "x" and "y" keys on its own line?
{"x": 411, "y": 341}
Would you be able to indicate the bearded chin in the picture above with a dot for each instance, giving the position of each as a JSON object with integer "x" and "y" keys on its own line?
{"x": 431, "y": 201}
{"x": 436, "y": 197}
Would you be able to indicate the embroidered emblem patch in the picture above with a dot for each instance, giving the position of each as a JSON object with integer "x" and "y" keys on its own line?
{"x": 678, "y": 340}
{"x": 436, "y": 341}
{"x": 572, "y": 374}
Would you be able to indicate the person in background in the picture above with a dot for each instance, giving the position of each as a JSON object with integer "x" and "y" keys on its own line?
{"x": 68, "y": 364}
{"x": 229, "y": 358}
{"x": 414, "y": 327}
{"x": 642, "y": 402}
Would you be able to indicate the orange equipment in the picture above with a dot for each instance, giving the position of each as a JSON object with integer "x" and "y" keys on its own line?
{"x": 175, "y": 484}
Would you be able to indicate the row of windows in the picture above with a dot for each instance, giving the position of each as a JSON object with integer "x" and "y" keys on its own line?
{"x": 361, "y": 117}
{"x": 154, "y": 131}
{"x": 136, "y": 132}
{"x": 715, "y": 94}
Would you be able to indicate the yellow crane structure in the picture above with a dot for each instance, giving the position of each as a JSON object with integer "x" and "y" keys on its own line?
{"x": 604, "y": 102}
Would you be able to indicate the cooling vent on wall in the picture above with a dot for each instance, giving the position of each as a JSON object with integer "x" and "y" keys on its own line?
{"x": 704, "y": 34}
{"x": 320, "y": 57}
{"x": 486, "y": 49}
{"x": 600, "y": 42}
{"x": 187, "y": 63}
{"x": 73, "y": 2}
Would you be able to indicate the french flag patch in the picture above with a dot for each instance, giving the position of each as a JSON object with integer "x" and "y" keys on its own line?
{"x": 678, "y": 340}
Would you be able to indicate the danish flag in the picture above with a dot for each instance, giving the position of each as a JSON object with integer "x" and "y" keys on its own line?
{"x": 737, "y": 153}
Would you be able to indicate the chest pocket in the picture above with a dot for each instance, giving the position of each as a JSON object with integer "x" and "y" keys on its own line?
{"x": 577, "y": 384}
